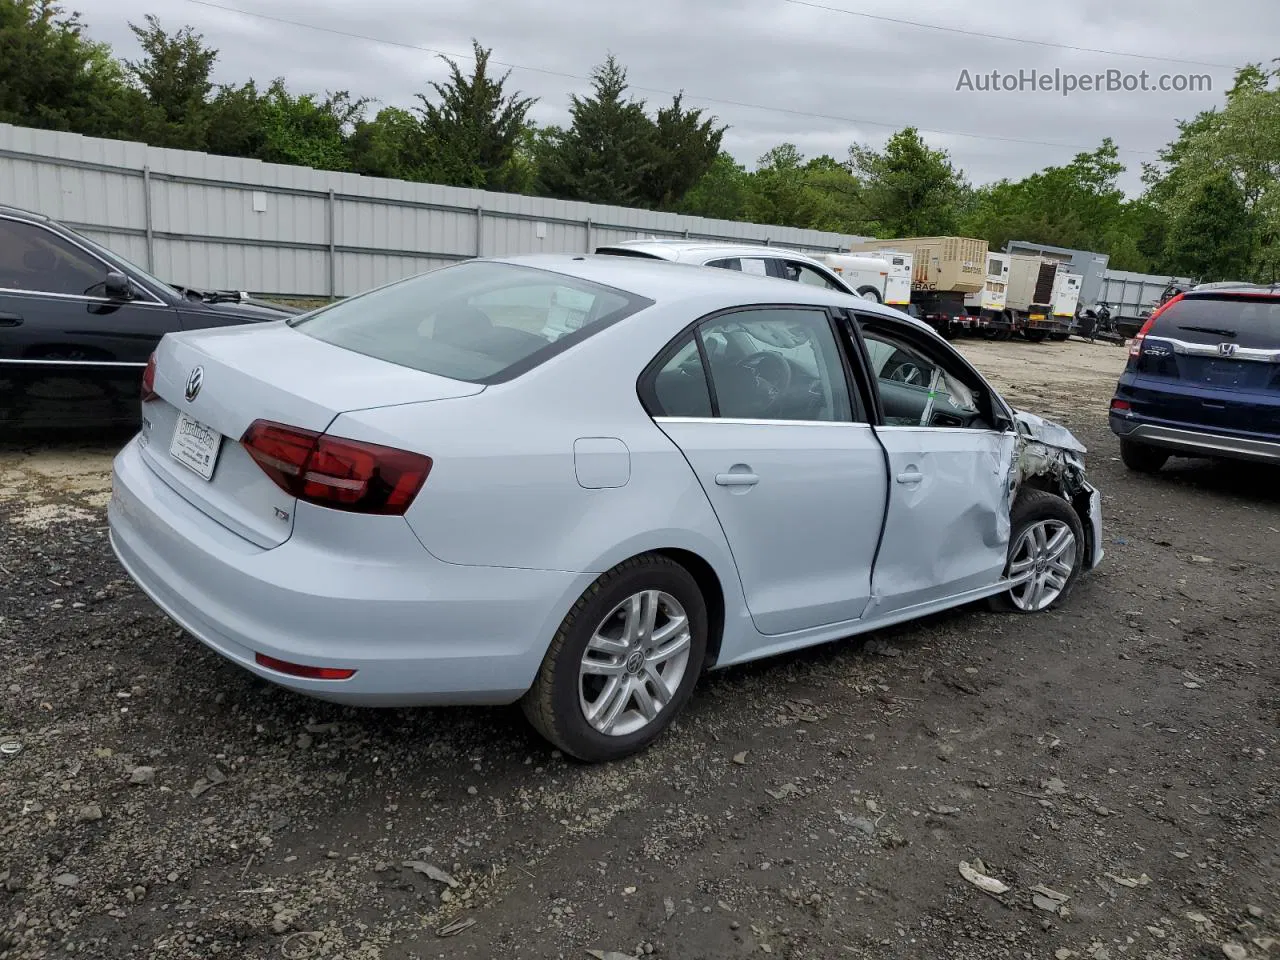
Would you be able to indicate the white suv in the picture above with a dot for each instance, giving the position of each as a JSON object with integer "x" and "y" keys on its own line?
{"x": 761, "y": 260}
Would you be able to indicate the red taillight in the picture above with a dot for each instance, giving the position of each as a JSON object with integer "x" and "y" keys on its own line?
{"x": 149, "y": 380}
{"x": 1120, "y": 406}
{"x": 299, "y": 670}
{"x": 1135, "y": 345}
{"x": 334, "y": 472}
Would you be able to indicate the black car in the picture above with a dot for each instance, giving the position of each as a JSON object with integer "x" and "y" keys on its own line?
{"x": 1203, "y": 379}
{"x": 78, "y": 322}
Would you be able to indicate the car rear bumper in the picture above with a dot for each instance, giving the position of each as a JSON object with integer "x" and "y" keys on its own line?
{"x": 416, "y": 630}
{"x": 1196, "y": 443}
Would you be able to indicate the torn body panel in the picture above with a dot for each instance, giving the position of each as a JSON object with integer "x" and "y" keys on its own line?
{"x": 1049, "y": 457}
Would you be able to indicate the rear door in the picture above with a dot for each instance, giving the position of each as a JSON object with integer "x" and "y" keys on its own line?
{"x": 69, "y": 354}
{"x": 950, "y": 470}
{"x": 1212, "y": 361}
{"x": 758, "y": 401}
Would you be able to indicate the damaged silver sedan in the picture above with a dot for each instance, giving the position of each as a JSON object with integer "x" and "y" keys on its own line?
{"x": 579, "y": 483}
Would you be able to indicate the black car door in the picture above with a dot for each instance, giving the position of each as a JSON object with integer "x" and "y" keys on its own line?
{"x": 71, "y": 352}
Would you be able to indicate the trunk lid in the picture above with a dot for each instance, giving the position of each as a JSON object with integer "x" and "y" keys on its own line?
{"x": 269, "y": 372}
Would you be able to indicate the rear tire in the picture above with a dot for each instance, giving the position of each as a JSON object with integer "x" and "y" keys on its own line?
{"x": 870, "y": 293}
{"x": 596, "y": 651}
{"x": 1141, "y": 458}
{"x": 1035, "y": 336}
{"x": 1047, "y": 540}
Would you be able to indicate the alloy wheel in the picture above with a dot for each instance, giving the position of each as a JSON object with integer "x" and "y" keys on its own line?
{"x": 1045, "y": 552}
{"x": 634, "y": 663}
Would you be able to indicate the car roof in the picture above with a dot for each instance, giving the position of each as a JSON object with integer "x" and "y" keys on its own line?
{"x": 12, "y": 211}
{"x": 671, "y": 249}
{"x": 1232, "y": 287}
{"x": 665, "y": 282}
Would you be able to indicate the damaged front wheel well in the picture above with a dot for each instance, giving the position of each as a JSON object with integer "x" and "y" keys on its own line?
{"x": 1079, "y": 500}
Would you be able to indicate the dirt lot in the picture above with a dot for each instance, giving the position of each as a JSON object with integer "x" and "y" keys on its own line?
{"x": 1120, "y": 753}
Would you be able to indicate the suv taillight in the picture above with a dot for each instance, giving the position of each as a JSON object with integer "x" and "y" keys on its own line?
{"x": 334, "y": 472}
{"x": 149, "y": 380}
{"x": 1135, "y": 345}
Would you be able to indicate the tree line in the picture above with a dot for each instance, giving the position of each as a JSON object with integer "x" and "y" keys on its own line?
{"x": 1210, "y": 207}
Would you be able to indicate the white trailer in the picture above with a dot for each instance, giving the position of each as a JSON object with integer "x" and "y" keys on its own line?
{"x": 868, "y": 275}
{"x": 989, "y": 303}
{"x": 1066, "y": 297}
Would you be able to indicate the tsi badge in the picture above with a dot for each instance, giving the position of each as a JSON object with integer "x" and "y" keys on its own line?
{"x": 194, "y": 383}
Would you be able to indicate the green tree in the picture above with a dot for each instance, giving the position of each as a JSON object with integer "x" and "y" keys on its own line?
{"x": 52, "y": 76}
{"x": 174, "y": 74}
{"x": 392, "y": 144}
{"x": 1211, "y": 237}
{"x": 721, "y": 193}
{"x": 779, "y": 191}
{"x": 685, "y": 146}
{"x": 1242, "y": 141}
{"x": 475, "y": 127}
{"x": 605, "y": 156}
{"x": 306, "y": 130}
{"x": 910, "y": 189}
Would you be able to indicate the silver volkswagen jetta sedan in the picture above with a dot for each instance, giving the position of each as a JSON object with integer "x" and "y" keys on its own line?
{"x": 580, "y": 482}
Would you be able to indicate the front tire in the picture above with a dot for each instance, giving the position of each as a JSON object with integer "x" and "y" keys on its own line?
{"x": 623, "y": 663}
{"x": 1046, "y": 541}
{"x": 870, "y": 293}
{"x": 1141, "y": 458}
{"x": 1035, "y": 336}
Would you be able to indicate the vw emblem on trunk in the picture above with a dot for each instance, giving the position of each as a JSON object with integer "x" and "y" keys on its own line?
{"x": 194, "y": 382}
{"x": 1227, "y": 349}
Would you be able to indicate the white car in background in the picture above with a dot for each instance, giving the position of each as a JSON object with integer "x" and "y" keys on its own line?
{"x": 764, "y": 261}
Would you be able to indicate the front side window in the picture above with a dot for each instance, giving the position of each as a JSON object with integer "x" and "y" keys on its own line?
{"x": 478, "y": 321}
{"x": 916, "y": 388}
{"x": 775, "y": 364}
{"x": 34, "y": 259}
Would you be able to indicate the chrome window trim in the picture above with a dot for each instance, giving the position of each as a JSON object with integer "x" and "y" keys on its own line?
{"x": 76, "y": 363}
{"x": 1187, "y": 349}
{"x": 154, "y": 301}
{"x": 743, "y": 421}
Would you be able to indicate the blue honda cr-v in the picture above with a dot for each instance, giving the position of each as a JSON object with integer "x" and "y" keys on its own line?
{"x": 1203, "y": 380}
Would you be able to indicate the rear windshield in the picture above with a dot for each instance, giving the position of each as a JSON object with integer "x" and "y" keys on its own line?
{"x": 477, "y": 321}
{"x": 1244, "y": 321}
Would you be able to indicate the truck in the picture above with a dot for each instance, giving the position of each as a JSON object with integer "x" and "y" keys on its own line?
{"x": 944, "y": 271}
{"x": 874, "y": 277}
{"x": 1030, "y": 296}
{"x": 1064, "y": 300}
{"x": 988, "y": 304}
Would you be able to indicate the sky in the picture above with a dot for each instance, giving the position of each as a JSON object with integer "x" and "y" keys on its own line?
{"x": 802, "y": 71}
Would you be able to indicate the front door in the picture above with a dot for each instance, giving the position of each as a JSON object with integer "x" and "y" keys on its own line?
{"x": 758, "y": 401}
{"x": 950, "y": 472}
{"x": 69, "y": 354}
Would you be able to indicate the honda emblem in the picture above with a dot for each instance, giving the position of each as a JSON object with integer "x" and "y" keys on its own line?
{"x": 1227, "y": 349}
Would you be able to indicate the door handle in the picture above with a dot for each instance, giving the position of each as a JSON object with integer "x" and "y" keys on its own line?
{"x": 10, "y": 320}
{"x": 737, "y": 479}
{"x": 910, "y": 476}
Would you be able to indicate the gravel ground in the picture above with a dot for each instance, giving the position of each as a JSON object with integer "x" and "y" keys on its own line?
{"x": 1111, "y": 766}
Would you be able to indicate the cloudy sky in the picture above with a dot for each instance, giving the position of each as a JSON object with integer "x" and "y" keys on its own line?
{"x": 774, "y": 70}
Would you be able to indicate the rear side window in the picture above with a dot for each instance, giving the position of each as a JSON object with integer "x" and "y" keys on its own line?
{"x": 479, "y": 321}
{"x": 1244, "y": 321}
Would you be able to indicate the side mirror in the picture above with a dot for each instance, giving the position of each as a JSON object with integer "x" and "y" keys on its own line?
{"x": 118, "y": 286}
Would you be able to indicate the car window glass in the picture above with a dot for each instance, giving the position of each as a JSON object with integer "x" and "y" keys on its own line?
{"x": 476, "y": 321}
{"x": 729, "y": 263}
{"x": 32, "y": 258}
{"x": 754, "y": 266}
{"x": 776, "y": 365}
{"x": 680, "y": 387}
{"x": 805, "y": 274}
{"x": 915, "y": 389}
